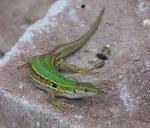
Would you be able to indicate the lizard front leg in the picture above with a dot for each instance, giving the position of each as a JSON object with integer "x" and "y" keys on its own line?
{"x": 52, "y": 94}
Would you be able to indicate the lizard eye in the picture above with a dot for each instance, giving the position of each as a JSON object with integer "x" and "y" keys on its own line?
{"x": 86, "y": 90}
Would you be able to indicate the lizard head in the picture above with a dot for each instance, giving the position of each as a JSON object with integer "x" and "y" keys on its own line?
{"x": 86, "y": 89}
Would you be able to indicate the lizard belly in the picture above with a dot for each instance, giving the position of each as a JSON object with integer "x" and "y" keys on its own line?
{"x": 74, "y": 96}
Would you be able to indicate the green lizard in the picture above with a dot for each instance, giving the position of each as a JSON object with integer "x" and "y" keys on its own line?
{"x": 44, "y": 70}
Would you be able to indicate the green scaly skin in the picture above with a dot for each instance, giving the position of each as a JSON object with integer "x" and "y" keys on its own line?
{"x": 45, "y": 75}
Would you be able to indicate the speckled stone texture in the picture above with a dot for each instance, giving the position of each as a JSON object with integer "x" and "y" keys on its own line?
{"x": 16, "y": 16}
{"x": 124, "y": 81}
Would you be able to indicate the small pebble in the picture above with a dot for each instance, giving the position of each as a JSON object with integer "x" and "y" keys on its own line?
{"x": 146, "y": 22}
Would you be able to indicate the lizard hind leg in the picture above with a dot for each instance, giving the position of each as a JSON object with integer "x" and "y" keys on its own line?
{"x": 26, "y": 60}
{"x": 61, "y": 65}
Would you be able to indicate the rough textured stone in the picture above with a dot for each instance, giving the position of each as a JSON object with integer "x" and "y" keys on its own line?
{"x": 124, "y": 81}
{"x": 16, "y": 16}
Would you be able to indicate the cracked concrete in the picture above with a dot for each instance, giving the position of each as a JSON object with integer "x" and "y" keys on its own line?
{"x": 124, "y": 81}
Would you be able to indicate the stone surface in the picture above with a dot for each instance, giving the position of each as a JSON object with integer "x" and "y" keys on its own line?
{"x": 16, "y": 16}
{"x": 124, "y": 81}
